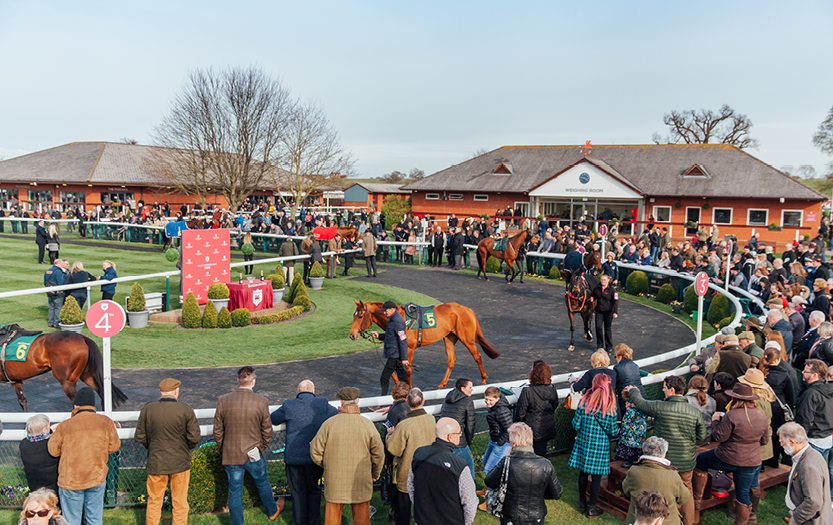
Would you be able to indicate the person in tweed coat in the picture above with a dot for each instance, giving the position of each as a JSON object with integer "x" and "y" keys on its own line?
{"x": 350, "y": 450}
{"x": 653, "y": 472}
{"x": 242, "y": 430}
{"x": 595, "y": 422}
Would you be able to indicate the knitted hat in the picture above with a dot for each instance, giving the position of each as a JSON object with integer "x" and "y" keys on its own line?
{"x": 85, "y": 397}
{"x": 388, "y": 305}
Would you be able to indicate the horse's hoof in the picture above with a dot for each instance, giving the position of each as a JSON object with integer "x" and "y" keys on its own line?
{"x": 483, "y": 381}
{"x": 571, "y": 348}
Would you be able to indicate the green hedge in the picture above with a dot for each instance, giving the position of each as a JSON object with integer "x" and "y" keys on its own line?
{"x": 241, "y": 317}
{"x": 287, "y": 314}
{"x": 209, "y": 315}
{"x": 555, "y": 273}
{"x": 492, "y": 265}
{"x": 637, "y": 283}
{"x": 689, "y": 300}
{"x": 726, "y": 321}
{"x": 208, "y": 486}
{"x": 666, "y": 294}
{"x": 171, "y": 255}
{"x": 191, "y": 317}
{"x": 719, "y": 309}
{"x": 223, "y": 318}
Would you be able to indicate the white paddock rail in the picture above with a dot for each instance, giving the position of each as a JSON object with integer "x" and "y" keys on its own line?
{"x": 430, "y": 396}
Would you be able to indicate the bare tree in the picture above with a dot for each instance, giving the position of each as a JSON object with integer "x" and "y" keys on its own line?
{"x": 725, "y": 126}
{"x": 823, "y": 138}
{"x": 126, "y": 140}
{"x": 393, "y": 177}
{"x": 416, "y": 174}
{"x": 478, "y": 152}
{"x": 230, "y": 123}
{"x": 310, "y": 155}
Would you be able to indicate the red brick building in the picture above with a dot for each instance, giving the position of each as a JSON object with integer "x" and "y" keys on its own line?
{"x": 713, "y": 184}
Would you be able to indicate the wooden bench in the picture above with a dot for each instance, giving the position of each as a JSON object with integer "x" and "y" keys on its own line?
{"x": 154, "y": 302}
{"x": 615, "y": 503}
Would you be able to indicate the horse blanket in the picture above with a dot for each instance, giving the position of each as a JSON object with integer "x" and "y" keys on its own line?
{"x": 16, "y": 341}
{"x": 322, "y": 233}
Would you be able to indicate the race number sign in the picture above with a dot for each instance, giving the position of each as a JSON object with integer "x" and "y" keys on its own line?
{"x": 206, "y": 258}
{"x": 105, "y": 318}
{"x": 603, "y": 229}
{"x": 701, "y": 284}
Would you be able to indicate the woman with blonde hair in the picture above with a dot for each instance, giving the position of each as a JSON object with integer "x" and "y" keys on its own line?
{"x": 595, "y": 422}
{"x": 79, "y": 275}
{"x": 248, "y": 269}
{"x": 108, "y": 290}
{"x": 600, "y": 361}
{"x": 53, "y": 243}
{"x": 799, "y": 274}
{"x": 699, "y": 399}
{"x": 41, "y": 508}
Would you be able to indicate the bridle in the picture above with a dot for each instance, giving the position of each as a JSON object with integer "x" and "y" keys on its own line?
{"x": 574, "y": 298}
{"x": 363, "y": 329}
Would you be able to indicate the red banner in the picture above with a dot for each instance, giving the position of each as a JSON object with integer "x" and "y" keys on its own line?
{"x": 205, "y": 260}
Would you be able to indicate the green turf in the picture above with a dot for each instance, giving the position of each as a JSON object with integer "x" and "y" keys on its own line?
{"x": 770, "y": 512}
{"x": 322, "y": 333}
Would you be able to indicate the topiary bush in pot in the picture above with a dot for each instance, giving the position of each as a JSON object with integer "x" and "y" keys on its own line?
{"x": 555, "y": 273}
{"x": 492, "y": 265}
{"x": 666, "y": 294}
{"x": 223, "y": 318}
{"x": 278, "y": 280}
{"x": 726, "y": 321}
{"x": 719, "y": 309}
{"x": 71, "y": 313}
{"x": 316, "y": 270}
{"x": 209, "y": 316}
{"x": 247, "y": 248}
{"x": 191, "y": 317}
{"x": 136, "y": 301}
{"x": 689, "y": 300}
{"x": 171, "y": 255}
{"x": 636, "y": 283}
{"x": 218, "y": 291}
{"x": 241, "y": 317}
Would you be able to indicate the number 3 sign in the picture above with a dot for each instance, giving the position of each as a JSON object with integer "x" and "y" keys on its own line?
{"x": 105, "y": 318}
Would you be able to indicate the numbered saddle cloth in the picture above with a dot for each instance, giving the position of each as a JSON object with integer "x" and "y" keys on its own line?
{"x": 500, "y": 245}
{"x": 419, "y": 317}
{"x": 16, "y": 341}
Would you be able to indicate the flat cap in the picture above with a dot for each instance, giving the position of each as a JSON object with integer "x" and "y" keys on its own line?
{"x": 775, "y": 301}
{"x": 169, "y": 385}
{"x": 720, "y": 338}
{"x": 746, "y": 336}
{"x": 730, "y": 340}
{"x": 348, "y": 393}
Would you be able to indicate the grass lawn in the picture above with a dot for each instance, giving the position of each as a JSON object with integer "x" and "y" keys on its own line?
{"x": 323, "y": 333}
{"x": 770, "y": 512}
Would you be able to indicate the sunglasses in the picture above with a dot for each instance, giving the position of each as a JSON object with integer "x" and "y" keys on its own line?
{"x": 40, "y": 513}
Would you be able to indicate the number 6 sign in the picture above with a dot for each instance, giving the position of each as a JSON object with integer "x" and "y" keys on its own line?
{"x": 105, "y": 318}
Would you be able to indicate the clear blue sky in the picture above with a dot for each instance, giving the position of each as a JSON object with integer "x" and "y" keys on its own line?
{"x": 426, "y": 84}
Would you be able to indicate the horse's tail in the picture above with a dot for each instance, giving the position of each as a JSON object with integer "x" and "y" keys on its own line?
{"x": 487, "y": 347}
{"x": 95, "y": 364}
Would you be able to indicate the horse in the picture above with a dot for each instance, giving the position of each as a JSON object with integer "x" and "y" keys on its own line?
{"x": 485, "y": 248}
{"x": 579, "y": 299}
{"x": 324, "y": 233}
{"x": 454, "y": 322}
{"x": 70, "y": 356}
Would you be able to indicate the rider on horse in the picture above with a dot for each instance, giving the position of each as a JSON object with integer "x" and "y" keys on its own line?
{"x": 574, "y": 265}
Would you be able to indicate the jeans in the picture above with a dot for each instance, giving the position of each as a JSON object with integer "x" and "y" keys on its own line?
{"x": 465, "y": 453}
{"x": 744, "y": 477}
{"x": 494, "y": 453}
{"x": 56, "y": 302}
{"x": 89, "y": 501}
{"x": 828, "y": 458}
{"x": 257, "y": 469}
{"x": 654, "y": 251}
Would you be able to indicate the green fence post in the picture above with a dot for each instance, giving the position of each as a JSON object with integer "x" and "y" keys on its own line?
{"x": 167, "y": 293}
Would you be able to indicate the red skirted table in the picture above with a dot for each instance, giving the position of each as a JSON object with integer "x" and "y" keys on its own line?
{"x": 254, "y": 295}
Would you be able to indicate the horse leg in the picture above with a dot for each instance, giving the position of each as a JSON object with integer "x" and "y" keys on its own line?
{"x": 479, "y": 263}
{"x": 471, "y": 343}
{"x": 409, "y": 368}
{"x": 449, "y": 341}
{"x": 572, "y": 329}
{"x": 587, "y": 322}
{"x": 21, "y": 396}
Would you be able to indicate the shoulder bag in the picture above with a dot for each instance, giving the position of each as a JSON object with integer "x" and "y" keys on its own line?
{"x": 496, "y": 497}
{"x": 573, "y": 399}
{"x": 788, "y": 412}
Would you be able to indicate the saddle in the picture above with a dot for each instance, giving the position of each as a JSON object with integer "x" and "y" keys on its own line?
{"x": 415, "y": 318}
{"x": 8, "y": 334}
{"x": 500, "y": 245}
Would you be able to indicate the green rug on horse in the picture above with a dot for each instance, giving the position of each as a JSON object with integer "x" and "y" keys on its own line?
{"x": 429, "y": 320}
{"x": 18, "y": 348}
{"x": 500, "y": 245}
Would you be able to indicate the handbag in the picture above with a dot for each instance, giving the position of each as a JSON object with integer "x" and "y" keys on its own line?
{"x": 496, "y": 497}
{"x": 788, "y": 412}
{"x": 386, "y": 486}
{"x": 52, "y": 246}
{"x": 573, "y": 399}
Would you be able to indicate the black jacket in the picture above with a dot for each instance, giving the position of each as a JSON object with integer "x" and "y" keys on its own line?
{"x": 536, "y": 406}
{"x": 607, "y": 299}
{"x": 397, "y": 412}
{"x": 627, "y": 374}
{"x": 437, "y": 484}
{"x": 781, "y": 379}
{"x": 457, "y": 247}
{"x": 815, "y": 409}
{"x": 395, "y": 338}
{"x": 40, "y": 467}
{"x": 499, "y": 418}
{"x": 460, "y": 407}
{"x": 803, "y": 347}
{"x": 41, "y": 237}
{"x": 824, "y": 351}
{"x": 531, "y": 480}
{"x": 586, "y": 380}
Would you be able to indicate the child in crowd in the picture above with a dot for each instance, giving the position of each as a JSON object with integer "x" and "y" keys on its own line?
{"x": 499, "y": 418}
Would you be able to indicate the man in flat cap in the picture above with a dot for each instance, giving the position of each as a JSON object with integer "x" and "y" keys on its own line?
{"x": 350, "y": 450}
{"x": 746, "y": 341}
{"x": 733, "y": 360}
{"x": 169, "y": 430}
{"x": 84, "y": 442}
{"x": 396, "y": 346}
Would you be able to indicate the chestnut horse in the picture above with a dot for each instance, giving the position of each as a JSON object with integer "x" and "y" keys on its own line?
{"x": 454, "y": 322}
{"x": 579, "y": 298}
{"x": 485, "y": 249}
{"x": 70, "y": 356}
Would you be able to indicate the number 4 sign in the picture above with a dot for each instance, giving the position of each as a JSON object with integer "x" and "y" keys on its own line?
{"x": 105, "y": 319}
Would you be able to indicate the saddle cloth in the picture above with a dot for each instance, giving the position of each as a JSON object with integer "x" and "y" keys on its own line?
{"x": 500, "y": 245}
{"x": 419, "y": 316}
{"x": 16, "y": 341}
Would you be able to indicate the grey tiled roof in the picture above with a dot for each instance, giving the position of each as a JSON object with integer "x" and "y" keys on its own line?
{"x": 378, "y": 187}
{"x": 652, "y": 169}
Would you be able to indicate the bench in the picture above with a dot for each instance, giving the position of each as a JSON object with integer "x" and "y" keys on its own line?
{"x": 154, "y": 302}
{"x": 615, "y": 503}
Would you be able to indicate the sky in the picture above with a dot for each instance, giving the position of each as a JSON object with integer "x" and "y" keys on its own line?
{"x": 427, "y": 84}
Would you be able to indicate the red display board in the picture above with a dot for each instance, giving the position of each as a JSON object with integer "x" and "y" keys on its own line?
{"x": 206, "y": 258}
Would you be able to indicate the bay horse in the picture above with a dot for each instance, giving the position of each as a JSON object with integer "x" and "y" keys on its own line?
{"x": 579, "y": 297}
{"x": 70, "y": 356}
{"x": 454, "y": 322}
{"x": 485, "y": 249}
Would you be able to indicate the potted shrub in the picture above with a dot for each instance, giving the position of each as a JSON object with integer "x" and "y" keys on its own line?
{"x": 137, "y": 314}
{"x": 72, "y": 318}
{"x": 676, "y": 306}
{"x": 247, "y": 248}
{"x": 218, "y": 294}
{"x": 278, "y": 287}
{"x": 172, "y": 255}
{"x": 316, "y": 276}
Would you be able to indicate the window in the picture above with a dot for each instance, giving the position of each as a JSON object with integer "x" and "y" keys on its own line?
{"x": 504, "y": 168}
{"x": 6, "y": 196}
{"x": 116, "y": 197}
{"x": 757, "y": 217}
{"x": 692, "y": 215}
{"x": 549, "y": 209}
{"x": 662, "y": 213}
{"x": 696, "y": 171}
{"x": 72, "y": 197}
{"x": 480, "y": 197}
{"x": 455, "y": 196}
{"x": 791, "y": 218}
{"x": 722, "y": 216}
{"x": 432, "y": 196}
{"x": 38, "y": 198}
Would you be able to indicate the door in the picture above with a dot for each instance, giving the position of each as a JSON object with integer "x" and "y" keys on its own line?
{"x": 692, "y": 215}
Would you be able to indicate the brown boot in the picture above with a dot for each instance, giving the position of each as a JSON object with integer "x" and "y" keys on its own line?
{"x": 755, "y": 498}
{"x": 698, "y": 485}
{"x": 742, "y": 513}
